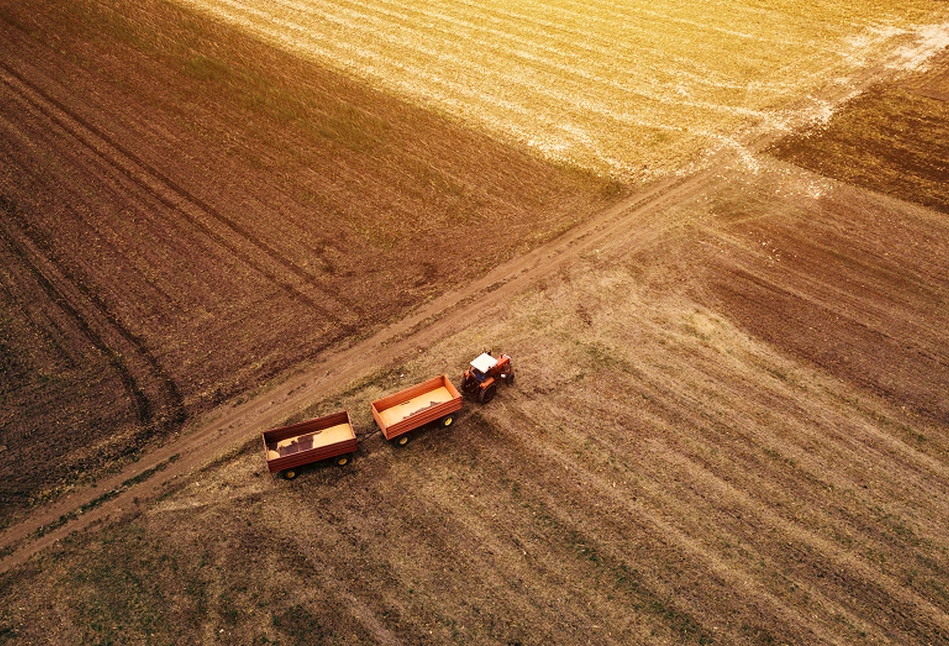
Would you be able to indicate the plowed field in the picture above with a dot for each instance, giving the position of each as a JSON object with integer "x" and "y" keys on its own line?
{"x": 177, "y": 227}
{"x": 730, "y": 423}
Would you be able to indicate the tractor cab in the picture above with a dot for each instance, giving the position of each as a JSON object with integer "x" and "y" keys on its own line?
{"x": 482, "y": 365}
{"x": 483, "y": 373}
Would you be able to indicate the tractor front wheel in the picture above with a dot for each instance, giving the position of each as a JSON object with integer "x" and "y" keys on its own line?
{"x": 487, "y": 394}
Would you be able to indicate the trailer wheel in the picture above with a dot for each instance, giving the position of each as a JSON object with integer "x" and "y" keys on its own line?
{"x": 342, "y": 460}
{"x": 403, "y": 440}
{"x": 487, "y": 394}
{"x": 448, "y": 420}
{"x": 289, "y": 474}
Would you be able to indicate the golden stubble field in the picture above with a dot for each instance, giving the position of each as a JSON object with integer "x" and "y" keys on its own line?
{"x": 632, "y": 89}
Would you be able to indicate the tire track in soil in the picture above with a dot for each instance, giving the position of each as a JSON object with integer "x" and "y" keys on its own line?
{"x": 181, "y": 201}
{"x": 652, "y": 523}
{"x": 850, "y": 570}
{"x": 636, "y": 219}
{"x": 844, "y": 564}
{"x": 25, "y": 248}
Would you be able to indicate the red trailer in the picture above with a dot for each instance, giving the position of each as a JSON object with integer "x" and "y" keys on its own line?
{"x": 289, "y": 447}
{"x": 406, "y": 410}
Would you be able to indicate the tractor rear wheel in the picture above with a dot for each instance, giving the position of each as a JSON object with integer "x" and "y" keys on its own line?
{"x": 487, "y": 394}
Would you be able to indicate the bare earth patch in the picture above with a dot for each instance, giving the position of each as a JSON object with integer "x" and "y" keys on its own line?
{"x": 893, "y": 139}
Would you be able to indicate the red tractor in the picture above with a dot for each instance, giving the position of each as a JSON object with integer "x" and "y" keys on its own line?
{"x": 482, "y": 376}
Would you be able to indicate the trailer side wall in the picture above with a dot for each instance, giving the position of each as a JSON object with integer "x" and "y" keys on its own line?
{"x": 391, "y": 429}
{"x": 346, "y": 443}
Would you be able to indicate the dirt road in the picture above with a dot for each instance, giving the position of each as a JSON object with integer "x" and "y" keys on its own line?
{"x": 233, "y": 425}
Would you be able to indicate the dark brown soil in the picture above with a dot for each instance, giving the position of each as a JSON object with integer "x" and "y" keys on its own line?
{"x": 875, "y": 280}
{"x": 187, "y": 213}
{"x": 894, "y": 138}
{"x": 828, "y": 285}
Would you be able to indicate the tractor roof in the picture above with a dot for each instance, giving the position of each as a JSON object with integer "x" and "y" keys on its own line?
{"x": 484, "y": 362}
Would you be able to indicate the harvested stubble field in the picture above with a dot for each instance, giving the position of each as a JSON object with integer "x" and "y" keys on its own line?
{"x": 632, "y": 89}
{"x": 731, "y": 420}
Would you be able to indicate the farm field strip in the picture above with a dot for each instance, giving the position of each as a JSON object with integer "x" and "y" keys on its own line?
{"x": 126, "y": 173}
{"x": 632, "y": 89}
{"x": 153, "y": 234}
{"x": 62, "y": 283}
{"x": 158, "y": 196}
{"x": 806, "y": 478}
{"x": 637, "y": 508}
